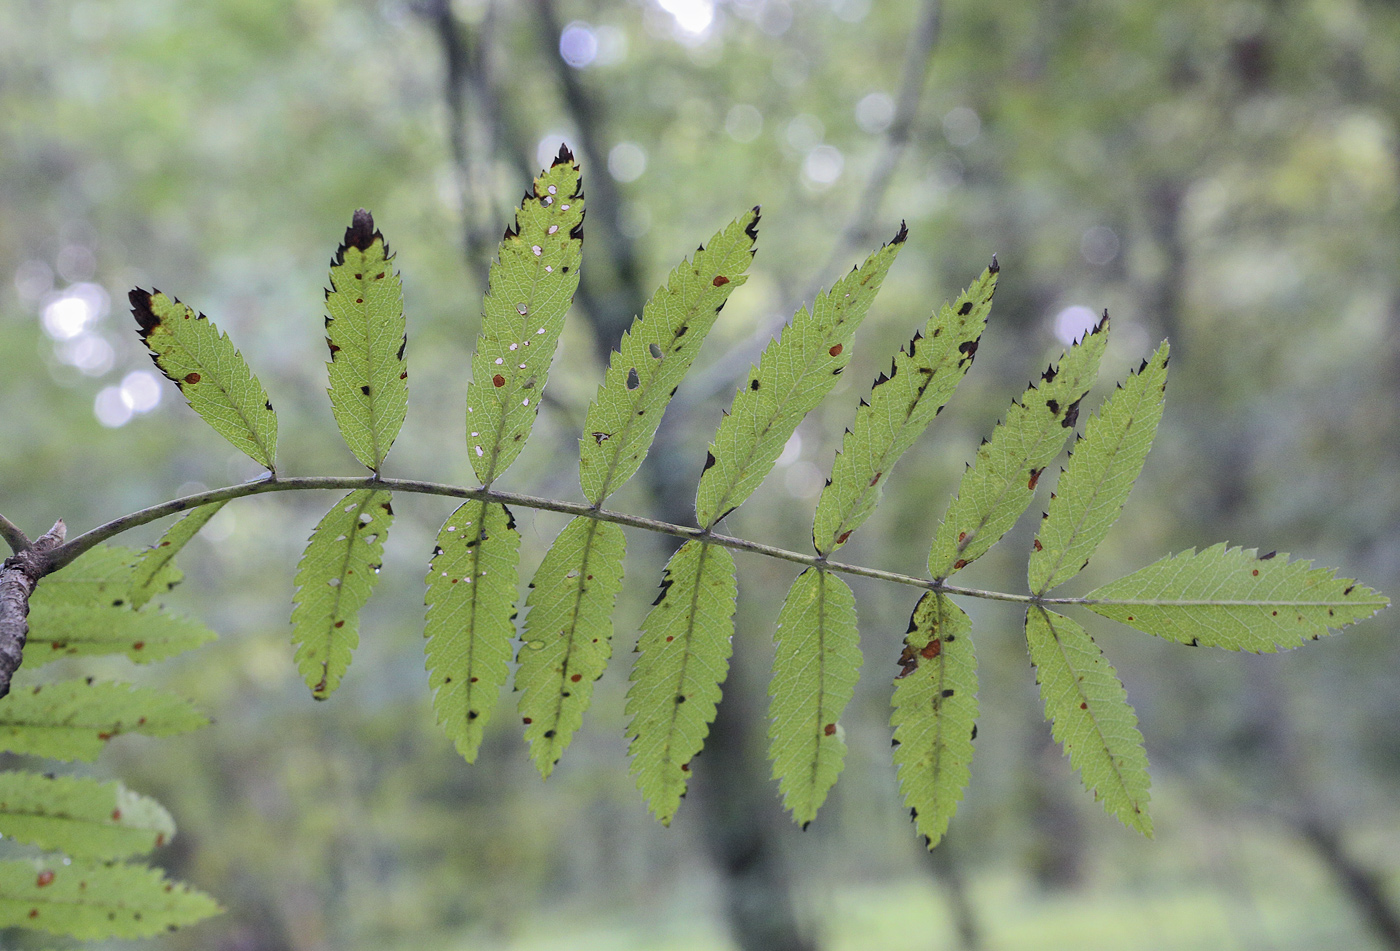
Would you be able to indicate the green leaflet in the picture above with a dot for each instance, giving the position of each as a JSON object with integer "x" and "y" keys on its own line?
{"x": 68, "y": 630}
{"x": 568, "y": 634}
{"x": 935, "y": 713}
{"x": 154, "y": 571}
{"x": 1100, "y": 473}
{"x": 1090, "y": 715}
{"x": 796, "y": 370}
{"x": 684, "y": 651}
{"x": 655, "y": 355}
{"x": 103, "y": 576}
{"x": 814, "y": 676}
{"x": 922, "y": 377}
{"x": 93, "y": 900}
{"x": 74, "y": 719}
{"x": 1001, "y": 483}
{"x": 83, "y": 817}
{"x": 212, "y": 374}
{"x": 531, "y": 287}
{"x": 1236, "y": 599}
{"x": 471, "y": 618}
{"x": 366, "y": 334}
{"x": 334, "y": 579}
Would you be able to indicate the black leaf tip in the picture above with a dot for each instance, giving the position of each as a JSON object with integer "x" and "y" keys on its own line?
{"x": 361, "y": 233}
{"x": 752, "y": 229}
{"x": 564, "y": 156}
{"x": 994, "y": 267}
{"x": 141, "y": 309}
{"x": 902, "y": 235}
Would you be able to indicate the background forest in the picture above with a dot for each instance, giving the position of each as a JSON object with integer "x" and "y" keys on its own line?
{"x": 1222, "y": 174}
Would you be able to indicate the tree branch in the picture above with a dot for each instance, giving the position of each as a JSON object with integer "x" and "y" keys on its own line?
{"x": 18, "y": 577}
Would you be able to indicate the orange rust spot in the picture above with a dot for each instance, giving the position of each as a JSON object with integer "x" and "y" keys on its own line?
{"x": 959, "y": 564}
{"x": 33, "y": 913}
{"x": 139, "y": 645}
{"x": 191, "y": 377}
{"x": 836, "y": 350}
{"x": 576, "y": 678}
{"x": 720, "y": 280}
{"x": 841, "y": 539}
{"x": 160, "y": 839}
{"x": 962, "y": 537}
{"x": 116, "y": 815}
{"x": 498, "y": 380}
{"x": 1255, "y": 572}
{"x": 45, "y": 878}
{"x": 104, "y": 736}
{"x": 829, "y": 729}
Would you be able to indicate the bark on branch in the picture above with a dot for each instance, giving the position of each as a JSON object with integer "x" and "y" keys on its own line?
{"x": 18, "y": 577}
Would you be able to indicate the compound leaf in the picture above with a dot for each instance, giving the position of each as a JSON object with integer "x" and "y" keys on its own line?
{"x": 935, "y": 713}
{"x": 366, "y": 334}
{"x": 74, "y": 719}
{"x": 655, "y": 355}
{"x": 532, "y": 284}
{"x": 922, "y": 377}
{"x": 1235, "y": 599}
{"x": 684, "y": 651}
{"x": 815, "y": 669}
{"x": 795, "y": 371}
{"x": 471, "y": 618}
{"x": 334, "y": 579}
{"x": 1001, "y": 483}
{"x": 83, "y": 817}
{"x": 209, "y": 371}
{"x": 1090, "y": 715}
{"x": 154, "y": 570}
{"x": 70, "y": 630}
{"x": 92, "y": 900}
{"x": 568, "y": 634}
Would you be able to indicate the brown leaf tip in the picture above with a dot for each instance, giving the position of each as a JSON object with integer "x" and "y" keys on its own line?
{"x": 361, "y": 233}
{"x": 141, "y": 310}
{"x": 995, "y": 267}
{"x": 752, "y": 229}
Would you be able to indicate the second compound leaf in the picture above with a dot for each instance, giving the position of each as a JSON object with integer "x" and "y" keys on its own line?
{"x": 684, "y": 657}
{"x": 815, "y": 668}
{"x": 1090, "y": 715}
{"x": 334, "y": 579}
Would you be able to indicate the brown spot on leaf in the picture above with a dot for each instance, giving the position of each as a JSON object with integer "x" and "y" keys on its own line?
{"x": 1037, "y": 546}
{"x": 836, "y": 350}
{"x": 720, "y": 280}
{"x": 498, "y": 380}
{"x": 959, "y": 564}
{"x": 1035, "y": 478}
{"x": 139, "y": 645}
{"x": 932, "y": 649}
{"x": 829, "y": 729}
{"x": 841, "y": 539}
{"x": 45, "y": 878}
{"x": 191, "y": 378}
{"x": 576, "y": 678}
{"x": 1083, "y": 705}
{"x": 965, "y": 309}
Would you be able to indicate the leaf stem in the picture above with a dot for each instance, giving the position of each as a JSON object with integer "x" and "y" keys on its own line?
{"x": 66, "y": 553}
{"x": 18, "y": 541}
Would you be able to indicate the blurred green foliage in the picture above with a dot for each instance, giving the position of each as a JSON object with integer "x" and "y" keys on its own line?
{"x": 1222, "y": 174}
